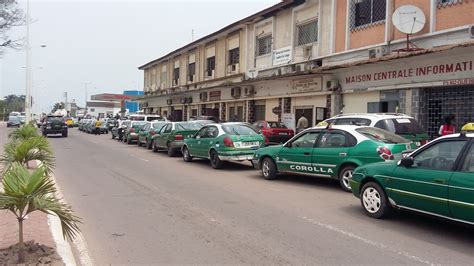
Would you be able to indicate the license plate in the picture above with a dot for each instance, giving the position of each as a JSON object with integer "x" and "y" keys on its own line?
{"x": 283, "y": 133}
{"x": 418, "y": 144}
{"x": 247, "y": 144}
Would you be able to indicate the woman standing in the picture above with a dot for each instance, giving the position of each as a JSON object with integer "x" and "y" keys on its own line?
{"x": 447, "y": 128}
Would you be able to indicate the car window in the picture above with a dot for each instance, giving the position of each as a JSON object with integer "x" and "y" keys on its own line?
{"x": 276, "y": 125}
{"x": 402, "y": 126}
{"x": 381, "y": 135}
{"x": 212, "y": 132}
{"x": 55, "y": 118}
{"x": 168, "y": 128}
{"x": 239, "y": 129}
{"x": 158, "y": 125}
{"x": 333, "y": 139}
{"x": 146, "y": 127}
{"x": 468, "y": 164}
{"x": 202, "y": 133}
{"x": 306, "y": 140}
{"x": 440, "y": 156}
{"x": 352, "y": 121}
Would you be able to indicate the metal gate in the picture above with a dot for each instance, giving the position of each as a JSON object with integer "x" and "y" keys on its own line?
{"x": 436, "y": 103}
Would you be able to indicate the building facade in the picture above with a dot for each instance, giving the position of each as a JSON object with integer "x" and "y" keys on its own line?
{"x": 132, "y": 106}
{"x": 319, "y": 58}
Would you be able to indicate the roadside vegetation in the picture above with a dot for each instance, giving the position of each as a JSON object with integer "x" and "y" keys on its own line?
{"x": 27, "y": 183}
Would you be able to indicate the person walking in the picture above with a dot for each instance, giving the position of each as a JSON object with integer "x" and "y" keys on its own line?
{"x": 302, "y": 123}
{"x": 97, "y": 126}
{"x": 447, "y": 128}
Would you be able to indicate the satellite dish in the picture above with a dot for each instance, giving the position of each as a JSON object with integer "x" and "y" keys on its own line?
{"x": 408, "y": 19}
{"x": 252, "y": 73}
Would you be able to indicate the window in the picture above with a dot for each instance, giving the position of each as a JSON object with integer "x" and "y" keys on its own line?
{"x": 234, "y": 56}
{"x": 333, "y": 139}
{"x": 306, "y": 141}
{"x": 191, "y": 71}
{"x": 381, "y": 135}
{"x": 176, "y": 75}
{"x": 382, "y": 107}
{"x": 212, "y": 132}
{"x": 468, "y": 165}
{"x": 264, "y": 45}
{"x": 352, "y": 121}
{"x": 202, "y": 133}
{"x": 210, "y": 65}
{"x": 444, "y": 3}
{"x": 307, "y": 32}
{"x": 440, "y": 156}
{"x": 92, "y": 109}
{"x": 365, "y": 12}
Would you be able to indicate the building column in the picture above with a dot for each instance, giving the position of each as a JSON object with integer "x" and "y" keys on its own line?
{"x": 185, "y": 113}
{"x": 222, "y": 111}
{"x": 280, "y": 106}
{"x": 250, "y": 111}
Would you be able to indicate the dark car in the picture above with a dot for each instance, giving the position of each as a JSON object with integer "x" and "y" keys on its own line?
{"x": 13, "y": 121}
{"x": 54, "y": 125}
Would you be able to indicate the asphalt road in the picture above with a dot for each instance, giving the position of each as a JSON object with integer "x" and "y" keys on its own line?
{"x": 144, "y": 207}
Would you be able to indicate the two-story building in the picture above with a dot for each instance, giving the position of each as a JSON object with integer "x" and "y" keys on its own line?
{"x": 319, "y": 58}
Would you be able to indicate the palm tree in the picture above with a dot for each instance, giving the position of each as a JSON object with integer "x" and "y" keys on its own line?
{"x": 30, "y": 149}
{"x": 27, "y": 191}
{"x": 23, "y": 133}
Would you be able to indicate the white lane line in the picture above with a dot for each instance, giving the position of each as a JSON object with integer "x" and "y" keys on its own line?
{"x": 365, "y": 240}
{"x": 139, "y": 158}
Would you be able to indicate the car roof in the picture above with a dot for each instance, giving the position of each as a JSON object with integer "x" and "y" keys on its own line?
{"x": 372, "y": 115}
{"x": 457, "y": 135}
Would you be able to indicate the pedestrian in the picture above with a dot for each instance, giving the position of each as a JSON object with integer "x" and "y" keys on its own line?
{"x": 447, "y": 127}
{"x": 301, "y": 124}
{"x": 97, "y": 126}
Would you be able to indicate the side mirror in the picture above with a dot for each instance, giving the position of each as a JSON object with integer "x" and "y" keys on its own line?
{"x": 407, "y": 161}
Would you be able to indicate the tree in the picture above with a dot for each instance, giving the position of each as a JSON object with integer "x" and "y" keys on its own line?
{"x": 10, "y": 16}
{"x": 12, "y": 103}
{"x": 26, "y": 192}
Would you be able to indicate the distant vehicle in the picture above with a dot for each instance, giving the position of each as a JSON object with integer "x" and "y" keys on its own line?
{"x": 69, "y": 122}
{"x": 436, "y": 179}
{"x": 22, "y": 119}
{"x": 274, "y": 131}
{"x": 14, "y": 114}
{"x": 54, "y": 124}
{"x": 147, "y": 132}
{"x": 131, "y": 131}
{"x": 13, "y": 121}
{"x": 400, "y": 124}
{"x": 205, "y": 117}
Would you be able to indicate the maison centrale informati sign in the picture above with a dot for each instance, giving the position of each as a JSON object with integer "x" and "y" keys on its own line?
{"x": 436, "y": 69}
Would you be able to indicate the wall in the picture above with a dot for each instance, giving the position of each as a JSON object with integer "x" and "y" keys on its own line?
{"x": 357, "y": 102}
{"x": 341, "y": 20}
{"x": 455, "y": 15}
{"x": 269, "y": 105}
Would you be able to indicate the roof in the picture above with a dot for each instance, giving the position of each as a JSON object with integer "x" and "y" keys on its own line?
{"x": 261, "y": 14}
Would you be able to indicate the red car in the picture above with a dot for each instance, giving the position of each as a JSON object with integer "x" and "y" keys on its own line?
{"x": 274, "y": 132}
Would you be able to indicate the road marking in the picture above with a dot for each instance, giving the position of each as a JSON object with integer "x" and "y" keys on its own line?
{"x": 365, "y": 240}
{"x": 139, "y": 158}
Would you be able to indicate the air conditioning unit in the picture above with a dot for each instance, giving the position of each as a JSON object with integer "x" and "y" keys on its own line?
{"x": 233, "y": 68}
{"x": 183, "y": 88}
{"x": 209, "y": 74}
{"x": 191, "y": 78}
{"x": 189, "y": 99}
{"x": 169, "y": 91}
{"x": 235, "y": 92}
{"x": 182, "y": 100}
{"x": 203, "y": 96}
{"x": 249, "y": 90}
{"x": 169, "y": 102}
{"x": 332, "y": 85}
{"x": 175, "y": 82}
{"x": 308, "y": 51}
{"x": 301, "y": 67}
{"x": 471, "y": 31}
{"x": 378, "y": 52}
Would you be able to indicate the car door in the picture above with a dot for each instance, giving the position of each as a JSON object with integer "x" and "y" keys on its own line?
{"x": 461, "y": 189}
{"x": 143, "y": 132}
{"x": 331, "y": 151}
{"x": 424, "y": 185}
{"x": 197, "y": 146}
{"x": 296, "y": 155}
{"x": 209, "y": 140}
{"x": 164, "y": 135}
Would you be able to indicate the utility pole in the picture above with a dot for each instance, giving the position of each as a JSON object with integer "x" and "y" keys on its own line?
{"x": 28, "y": 66}
{"x": 85, "y": 91}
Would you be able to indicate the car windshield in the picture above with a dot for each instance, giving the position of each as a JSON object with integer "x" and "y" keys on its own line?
{"x": 137, "y": 118}
{"x": 381, "y": 135}
{"x": 154, "y": 118}
{"x": 138, "y": 123}
{"x": 13, "y": 118}
{"x": 276, "y": 125}
{"x": 351, "y": 121}
{"x": 157, "y": 125}
{"x": 187, "y": 126}
{"x": 55, "y": 118}
{"x": 403, "y": 126}
{"x": 239, "y": 129}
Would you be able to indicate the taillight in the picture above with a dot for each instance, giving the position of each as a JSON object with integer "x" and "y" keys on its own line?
{"x": 423, "y": 142}
{"x": 266, "y": 140}
{"x": 385, "y": 153}
{"x": 178, "y": 137}
{"x": 132, "y": 130}
{"x": 228, "y": 142}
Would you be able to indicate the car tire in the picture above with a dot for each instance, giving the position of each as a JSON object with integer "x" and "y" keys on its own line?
{"x": 345, "y": 176}
{"x": 139, "y": 144}
{"x": 154, "y": 147}
{"x": 269, "y": 169}
{"x": 113, "y": 136}
{"x": 374, "y": 201}
{"x": 129, "y": 141}
{"x": 216, "y": 163}
{"x": 171, "y": 151}
{"x": 186, "y": 155}
{"x": 64, "y": 134}
{"x": 148, "y": 144}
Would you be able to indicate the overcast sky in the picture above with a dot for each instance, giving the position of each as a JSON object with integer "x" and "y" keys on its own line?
{"x": 103, "y": 42}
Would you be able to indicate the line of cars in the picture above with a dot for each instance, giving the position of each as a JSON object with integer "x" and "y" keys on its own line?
{"x": 87, "y": 125}
{"x": 383, "y": 159}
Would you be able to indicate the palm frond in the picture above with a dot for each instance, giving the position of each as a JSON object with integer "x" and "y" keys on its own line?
{"x": 23, "y": 133}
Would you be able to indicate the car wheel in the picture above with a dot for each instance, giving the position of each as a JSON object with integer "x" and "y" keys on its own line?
{"x": 154, "y": 147}
{"x": 139, "y": 144}
{"x": 171, "y": 151}
{"x": 345, "y": 177}
{"x": 65, "y": 134}
{"x": 113, "y": 136}
{"x": 186, "y": 156}
{"x": 374, "y": 201}
{"x": 148, "y": 144}
{"x": 216, "y": 163}
{"x": 268, "y": 169}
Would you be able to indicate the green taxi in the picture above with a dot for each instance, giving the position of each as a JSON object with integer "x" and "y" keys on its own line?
{"x": 130, "y": 133}
{"x": 172, "y": 135}
{"x": 436, "y": 179}
{"x": 147, "y": 132}
{"x": 331, "y": 152}
{"x": 223, "y": 142}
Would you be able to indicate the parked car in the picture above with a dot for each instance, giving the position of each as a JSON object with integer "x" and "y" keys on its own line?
{"x": 110, "y": 123}
{"x": 147, "y": 118}
{"x": 147, "y": 132}
{"x": 22, "y": 119}
{"x": 13, "y": 121}
{"x": 400, "y": 124}
{"x": 223, "y": 142}
{"x": 274, "y": 131}
{"x": 131, "y": 131}
{"x": 54, "y": 125}
{"x": 172, "y": 135}
{"x": 331, "y": 152}
{"x": 205, "y": 117}
{"x": 90, "y": 125}
{"x": 436, "y": 179}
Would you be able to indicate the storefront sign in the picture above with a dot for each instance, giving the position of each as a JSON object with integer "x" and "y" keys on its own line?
{"x": 288, "y": 120}
{"x": 466, "y": 81}
{"x": 417, "y": 70}
{"x": 276, "y": 110}
{"x": 282, "y": 56}
{"x": 307, "y": 85}
{"x": 214, "y": 95}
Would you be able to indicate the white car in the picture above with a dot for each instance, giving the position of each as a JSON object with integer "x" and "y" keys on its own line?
{"x": 400, "y": 124}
